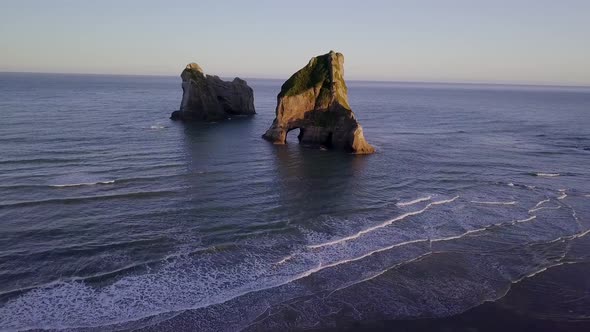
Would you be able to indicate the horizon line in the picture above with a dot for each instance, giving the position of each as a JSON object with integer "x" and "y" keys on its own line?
{"x": 509, "y": 83}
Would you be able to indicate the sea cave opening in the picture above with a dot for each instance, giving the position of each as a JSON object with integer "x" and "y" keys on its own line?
{"x": 291, "y": 138}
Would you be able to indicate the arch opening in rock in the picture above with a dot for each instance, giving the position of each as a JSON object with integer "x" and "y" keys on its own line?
{"x": 296, "y": 130}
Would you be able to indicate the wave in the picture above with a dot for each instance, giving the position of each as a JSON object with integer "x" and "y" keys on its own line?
{"x": 89, "y": 277}
{"x": 395, "y": 266}
{"x": 82, "y": 184}
{"x": 115, "y": 272}
{"x": 39, "y": 161}
{"x": 139, "y": 194}
{"x": 425, "y": 254}
{"x": 384, "y": 224}
{"x": 354, "y": 259}
{"x": 412, "y": 202}
{"x": 400, "y": 244}
{"x": 75, "y": 291}
{"x": 559, "y": 262}
{"x": 541, "y": 203}
{"x": 477, "y": 230}
{"x": 118, "y": 181}
{"x": 544, "y": 208}
{"x": 284, "y": 260}
{"x": 494, "y": 203}
{"x": 550, "y": 175}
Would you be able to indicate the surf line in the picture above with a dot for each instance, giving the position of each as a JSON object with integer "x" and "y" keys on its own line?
{"x": 321, "y": 267}
{"x": 559, "y": 262}
{"x": 384, "y": 224}
{"x": 494, "y": 203}
{"x": 477, "y": 230}
{"x": 284, "y": 260}
{"x": 541, "y": 203}
{"x": 405, "y": 243}
{"x": 420, "y": 256}
{"x": 532, "y": 274}
{"x": 545, "y": 208}
{"x": 412, "y": 202}
{"x": 393, "y": 267}
{"x": 354, "y": 259}
{"x": 82, "y": 184}
{"x": 549, "y": 175}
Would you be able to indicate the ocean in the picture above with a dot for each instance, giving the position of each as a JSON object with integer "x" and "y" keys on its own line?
{"x": 113, "y": 217}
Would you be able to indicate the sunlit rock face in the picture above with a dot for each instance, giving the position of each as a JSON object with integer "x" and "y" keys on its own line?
{"x": 315, "y": 100}
{"x": 209, "y": 98}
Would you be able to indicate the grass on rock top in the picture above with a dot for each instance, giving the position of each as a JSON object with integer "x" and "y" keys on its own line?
{"x": 316, "y": 72}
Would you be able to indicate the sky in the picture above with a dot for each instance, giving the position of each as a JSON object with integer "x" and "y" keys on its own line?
{"x": 494, "y": 41}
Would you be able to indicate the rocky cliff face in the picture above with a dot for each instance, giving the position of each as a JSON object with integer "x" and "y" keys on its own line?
{"x": 315, "y": 100}
{"x": 208, "y": 98}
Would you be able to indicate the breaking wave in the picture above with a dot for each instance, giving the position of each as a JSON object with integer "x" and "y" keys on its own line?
{"x": 415, "y": 201}
{"x": 203, "y": 283}
{"x": 82, "y": 184}
{"x": 384, "y": 224}
{"x": 548, "y": 175}
{"x": 494, "y": 203}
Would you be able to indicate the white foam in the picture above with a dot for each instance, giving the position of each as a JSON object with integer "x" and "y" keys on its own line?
{"x": 455, "y": 237}
{"x": 157, "y": 127}
{"x": 80, "y": 305}
{"x": 584, "y": 233}
{"x": 534, "y": 273}
{"x": 477, "y": 230}
{"x": 284, "y": 260}
{"x": 550, "y": 175}
{"x": 82, "y": 184}
{"x": 380, "y": 273}
{"x": 412, "y": 202}
{"x": 527, "y": 219}
{"x": 384, "y": 224}
{"x": 425, "y": 254}
{"x": 400, "y": 244}
{"x": 354, "y": 259}
{"x": 494, "y": 203}
{"x": 544, "y": 208}
{"x": 510, "y": 184}
{"x": 562, "y": 196}
{"x": 431, "y": 252}
{"x": 541, "y": 203}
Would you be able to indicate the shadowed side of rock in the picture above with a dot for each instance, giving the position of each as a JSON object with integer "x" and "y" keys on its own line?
{"x": 209, "y": 98}
{"x": 315, "y": 100}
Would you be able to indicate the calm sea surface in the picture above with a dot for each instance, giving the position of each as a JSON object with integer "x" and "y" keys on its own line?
{"x": 114, "y": 217}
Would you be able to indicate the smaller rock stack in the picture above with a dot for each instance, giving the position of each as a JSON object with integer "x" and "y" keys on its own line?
{"x": 209, "y": 98}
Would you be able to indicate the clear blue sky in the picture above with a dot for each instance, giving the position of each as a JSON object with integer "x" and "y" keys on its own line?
{"x": 520, "y": 41}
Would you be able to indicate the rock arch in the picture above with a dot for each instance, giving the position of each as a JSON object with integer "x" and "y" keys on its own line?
{"x": 315, "y": 99}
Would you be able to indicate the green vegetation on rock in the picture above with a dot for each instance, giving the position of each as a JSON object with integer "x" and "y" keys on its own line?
{"x": 321, "y": 72}
{"x": 310, "y": 76}
{"x": 315, "y": 100}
